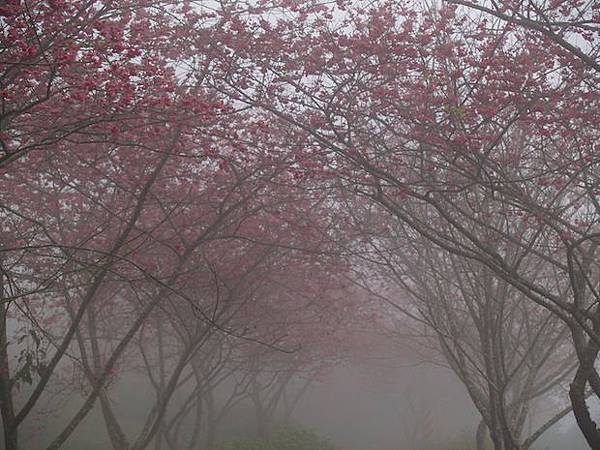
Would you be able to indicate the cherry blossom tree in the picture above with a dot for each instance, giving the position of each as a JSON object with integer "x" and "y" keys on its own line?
{"x": 508, "y": 352}
{"x": 184, "y": 171}
{"x": 426, "y": 108}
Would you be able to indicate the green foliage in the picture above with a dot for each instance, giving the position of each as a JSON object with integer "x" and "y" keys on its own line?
{"x": 30, "y": 359}
{"x": 282, "y": 438}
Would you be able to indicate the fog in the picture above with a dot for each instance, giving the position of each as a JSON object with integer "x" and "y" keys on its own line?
{"x": 299, "y": 225}
{"x": 413, "y": 407}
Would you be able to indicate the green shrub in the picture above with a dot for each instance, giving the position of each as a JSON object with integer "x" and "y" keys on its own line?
{"x": 282, "y": 438}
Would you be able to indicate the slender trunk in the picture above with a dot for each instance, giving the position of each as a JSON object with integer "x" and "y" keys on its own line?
{"x": 502, "y": 441}
{"x": 6, "y": 401}
{"x": 580, "y": 408}
{"x": 211, "y": 422}
{"x": 97, "y": 280}
{"x": 116, "y": 434}
{"x": 481, "y": 436}
{"x": 193, "y": 444}
{"x": 161, "y": 382}
{"x": 154, "y": 423}
{"x": 587, "y": 352}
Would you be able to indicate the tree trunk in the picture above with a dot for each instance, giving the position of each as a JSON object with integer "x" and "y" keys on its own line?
{"x": 481, "y": 436}
{"x": 259, "y": 410}
{"x": 158, "y": 440}
{"x": 580, "y": 409}
{"x": 6, "y": 401}
{"x": 116, "y": 434}
{"x": 211, "y": 422}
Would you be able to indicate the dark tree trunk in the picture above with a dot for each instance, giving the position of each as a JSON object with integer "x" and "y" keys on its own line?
{"x": 580, "y": 408}
{"x": 6, "y": 402}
